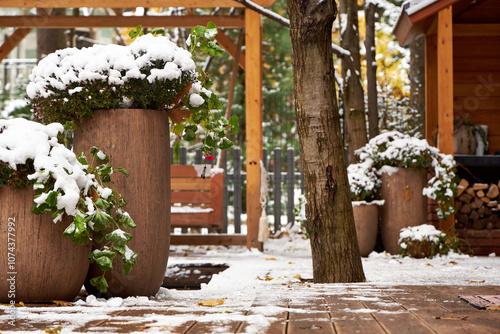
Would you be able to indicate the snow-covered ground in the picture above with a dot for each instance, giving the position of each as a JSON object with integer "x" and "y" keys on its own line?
{"x": 265, "y": 282}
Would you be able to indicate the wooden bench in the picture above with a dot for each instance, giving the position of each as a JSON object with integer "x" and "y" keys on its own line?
{"x": 196, "y": 201}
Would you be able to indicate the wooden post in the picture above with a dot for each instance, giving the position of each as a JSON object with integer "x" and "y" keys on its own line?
{"x": 431, "y": 84}
{"x": 445, "y": 91}
{"x": 253, "y": 114}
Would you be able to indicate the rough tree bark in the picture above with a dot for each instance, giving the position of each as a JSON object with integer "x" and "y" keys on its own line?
{"x": 371, "y": 68}
{"x": 50, "y": 40}
{"x": 352, "y": 88}
{"x": 330, "y": 221}
{"x": 417, "y": 83}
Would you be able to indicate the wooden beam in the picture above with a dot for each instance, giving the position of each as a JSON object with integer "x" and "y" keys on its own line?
{"x": 208, "y": 239}
{"x": 13, "y": 41}
{"x": 127, "y": 3}
{"x": 476, "y": 29}
{"x": 445, "y": 91}
{"x": 253, "y": 115}
{"x": 431, "y": 10}
{"x": 187, "y": 21}
{"x": 431, "y": 89}
{"x": 230, "y": 47}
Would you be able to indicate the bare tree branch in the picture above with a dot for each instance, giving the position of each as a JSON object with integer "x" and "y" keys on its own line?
{"x": 337, "y": 50}
{"x": 266, "y": 12}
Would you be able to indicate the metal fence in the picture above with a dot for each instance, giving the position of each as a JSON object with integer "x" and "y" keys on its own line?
{"x": 284, "y": 176}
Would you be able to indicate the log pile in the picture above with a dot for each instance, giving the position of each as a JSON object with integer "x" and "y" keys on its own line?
{"x": 478, "y": 206}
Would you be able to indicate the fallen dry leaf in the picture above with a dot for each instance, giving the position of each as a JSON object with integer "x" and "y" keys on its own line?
{"x": 61, "y": 303}
{"x": 20, "y": 304}
{"x": 451, "y": 318}
{"x": 453, "y": 262}
{"x": 212, "y": 302}
{"x": 428, "y": 264}
{"x": 297, "y": 277}
{"x": 494, "y": 307}
{"x": 54, "y": 330}
{"x": 473, "y": 281}
{"x": 270, "y": 259}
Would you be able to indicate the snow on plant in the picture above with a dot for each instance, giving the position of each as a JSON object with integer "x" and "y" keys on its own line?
{"x": 150, "y": 73}
{"x": 363, "y": 181}
{"x": 31, "y": 154}
{"x": 425, "y": 241}
{"x": 299, "y": 209}
{"x": 400, "y": 150}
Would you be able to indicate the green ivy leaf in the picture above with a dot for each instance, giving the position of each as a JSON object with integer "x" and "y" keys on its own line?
{"x": 136, "y": 32}
{"x": 211, "y": 25}
{"x": 234, "y": 124}
{"x": 120, "y": 250}
{"x": 119, "y": 237}
{"x": 225, "y": 144}
{"x": 101, "y": 220}
{"x": 189, "y": 134}
{"x": 209, "y": 141}
{"x": 100, "y": 283}
{"x": 82, "y": 158}
{"x": 121, "y": 201}
{"x": 214, "y": 50}
{"x": 127, "y": 268}
{"x": 51, "y": 200}
{"x": 125, "y": 221}
{"x": 199, "y": 31}
{"x": 104, "y": 262}
{"x": 123, "y": 171}
{"x": 99, "y": 236}
{"x": 102, "y": 204}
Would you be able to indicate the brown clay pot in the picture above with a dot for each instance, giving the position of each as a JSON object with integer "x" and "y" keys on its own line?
{"x": 139, "y": 141}
{"x": 421, "y": 249}
{"x": 44, "y": 265}
{"x": 404, "y": 204}
{"x": 366, "y": 220}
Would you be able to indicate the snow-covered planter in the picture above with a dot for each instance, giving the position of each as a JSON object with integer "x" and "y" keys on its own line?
{"x": 74, "y": 193}
{"x": 150, "y": 73}
{"x": 398, "y": 150}
{"x": 424, "y": 241}
{"x": 364, "y": 184}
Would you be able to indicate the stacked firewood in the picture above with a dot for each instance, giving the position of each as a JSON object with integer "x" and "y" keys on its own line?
{"x": 477, "y": 206}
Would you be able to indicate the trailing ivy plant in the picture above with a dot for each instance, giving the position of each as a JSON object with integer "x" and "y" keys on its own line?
{"x": 151, "y": 73}
{"x": 97, "y": 215}
{"x": 31, "y": 154}
{"x": 201, "y": 104}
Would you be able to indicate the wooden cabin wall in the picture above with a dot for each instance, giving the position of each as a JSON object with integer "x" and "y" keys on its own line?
{"x": 476, "y": 65}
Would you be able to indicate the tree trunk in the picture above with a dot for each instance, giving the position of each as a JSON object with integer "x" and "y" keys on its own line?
{"x": 330, "y": 221}
{"x": 417, "y": 84}
{"x": 353, "y": 96}
{"x": 371, "y": 69}
{"x": 50, "y": 40}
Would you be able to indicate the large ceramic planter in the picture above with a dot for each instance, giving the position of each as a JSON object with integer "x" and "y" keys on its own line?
{"x": 139, "y": 141}
{"x": 38, "y": 263}
{"x": 366, "y": 220}
{"x": 404, "y": 203}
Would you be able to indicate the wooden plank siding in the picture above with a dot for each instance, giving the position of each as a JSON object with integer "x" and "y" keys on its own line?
{"x": 476, "y": 67}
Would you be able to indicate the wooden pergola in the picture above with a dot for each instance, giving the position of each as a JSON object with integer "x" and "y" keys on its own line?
{"x": 251, "y": 21}
{"x": 462, "y": 54}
